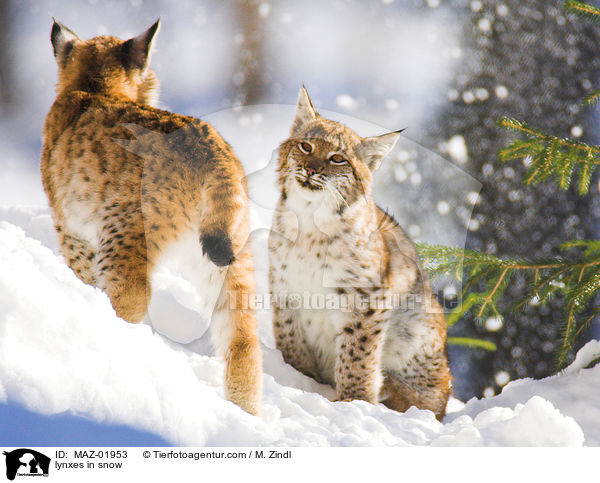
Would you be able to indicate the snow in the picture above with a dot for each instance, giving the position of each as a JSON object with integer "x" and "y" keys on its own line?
{"x": 476, "y": 6}
{"x": 501, "y": 92}
{"x": 502, "y": 378}
{"x": 391, "y": 104}
{"x": 416, "y": 178}
{"x": 264, "y": 9}
{"x": 468, "y": 97}
{"x": 502, "y": 10}
{"x": 576, "y": 131}
{"x": 456, "y": 147}
{"x": 443, "y": 207}
{"x": 62, "y": 348}
{"x": 346, "y": 102}
{"x": 433, "y": 3}
{"x": 515, "y": 427}
{"x": 400, "y": 174}
{"x": 482, "y": 94}
{"x": 484, "y": 25}
{"x": 356, "y": 40}
{"x": 473, "y": 197}
{"x": 493, "y": 324}
{"x": 452, "y": 94}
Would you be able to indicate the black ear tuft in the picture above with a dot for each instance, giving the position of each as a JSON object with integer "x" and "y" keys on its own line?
{"x": 63, "y": 39}
{"x": 136, "y": 51}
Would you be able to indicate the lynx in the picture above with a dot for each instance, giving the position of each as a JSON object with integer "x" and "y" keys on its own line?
{"x": 329, "y": 238}
{"x": 181, "y": 192}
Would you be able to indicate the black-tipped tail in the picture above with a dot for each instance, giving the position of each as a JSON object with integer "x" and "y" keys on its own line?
{"x": 218, "y": 247}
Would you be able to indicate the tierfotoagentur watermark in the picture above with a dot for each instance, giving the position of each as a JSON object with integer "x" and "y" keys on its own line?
{"x": 345, "y": 302}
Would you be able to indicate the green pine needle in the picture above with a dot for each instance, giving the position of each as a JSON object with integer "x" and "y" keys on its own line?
{"x": 473, "y": 343}
{"x": 585, "y": 177}
{"x": 592, "y": 98}
{"x": 593, "y": 362}
{"x": 583, "y": 10}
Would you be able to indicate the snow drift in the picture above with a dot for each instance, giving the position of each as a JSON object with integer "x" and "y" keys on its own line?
{"x": 62, "y": 348}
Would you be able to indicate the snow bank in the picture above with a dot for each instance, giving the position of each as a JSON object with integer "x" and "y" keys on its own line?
{"x": 62, "y": 348}
{"x": 573, "y": 392}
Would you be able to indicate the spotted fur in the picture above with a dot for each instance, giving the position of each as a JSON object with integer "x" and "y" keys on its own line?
{"x": 387, "y": 342}
{"x": 128, "y": 182}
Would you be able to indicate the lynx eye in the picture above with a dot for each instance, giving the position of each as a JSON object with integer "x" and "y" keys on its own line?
{"x": 305, "y": 147}
{"x": 337, "y": 159}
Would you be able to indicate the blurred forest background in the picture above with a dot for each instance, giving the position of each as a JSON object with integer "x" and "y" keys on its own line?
{"x": 445, "y": 69}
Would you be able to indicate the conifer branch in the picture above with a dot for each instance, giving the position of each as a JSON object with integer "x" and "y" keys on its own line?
{"x": 585, "y": 10}
{"x": 551, "y": 156}
{"x": 575, "y": 275}
{"x": 592, "y": 98}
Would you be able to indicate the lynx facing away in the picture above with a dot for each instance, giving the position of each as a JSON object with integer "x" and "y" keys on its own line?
{"x": 118, "y": 211}
{"x": 329, "y": 238}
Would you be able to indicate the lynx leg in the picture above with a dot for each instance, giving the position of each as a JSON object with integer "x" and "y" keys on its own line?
{"x": 358, "y": 364}
{"x": 79, "y": 255}
{"x": 289, "y": 339}
{"x": 234, "y": 333}
{"x": 123, "y": 274}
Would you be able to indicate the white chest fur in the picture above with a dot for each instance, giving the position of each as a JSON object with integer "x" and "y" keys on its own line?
{"x": 301, "y": 281}
{"x": 307, "y": 267}
{"x": 309, "y": 263}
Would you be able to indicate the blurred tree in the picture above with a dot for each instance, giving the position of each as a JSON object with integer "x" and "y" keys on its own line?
{"x": 249, "y": 77}
{"x": 529, "y": 59}
{"x": 6, "y": 68}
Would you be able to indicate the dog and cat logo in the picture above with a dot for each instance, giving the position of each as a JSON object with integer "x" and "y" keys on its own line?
{"x": 26, "y": 462}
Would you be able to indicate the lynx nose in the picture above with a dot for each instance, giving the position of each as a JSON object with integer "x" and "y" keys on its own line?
{"x": 310, "y": 171}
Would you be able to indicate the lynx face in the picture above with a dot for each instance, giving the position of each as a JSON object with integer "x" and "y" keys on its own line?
{"x": 325, "y": 160}
{"x": 317, "y": 165}
{"x": 106, "y": 64}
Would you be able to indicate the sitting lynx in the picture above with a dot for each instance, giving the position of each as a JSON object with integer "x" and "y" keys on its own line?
{"x": 117, "y": 213}
{"x": 329, "y": 238}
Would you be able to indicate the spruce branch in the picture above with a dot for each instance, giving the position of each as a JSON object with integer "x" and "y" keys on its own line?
{"x": 592, "y": 98}
{"x": 583, "y": 10}
{"x": 575, "y": 275}
{"x": 550, "y": 156}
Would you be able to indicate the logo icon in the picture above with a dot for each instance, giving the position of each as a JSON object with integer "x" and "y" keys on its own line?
{"x": 27, "y": 462}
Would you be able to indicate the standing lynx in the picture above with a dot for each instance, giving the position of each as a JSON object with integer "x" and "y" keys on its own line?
{"x": 329, "y": 238}
{"x": 181, "y": 192}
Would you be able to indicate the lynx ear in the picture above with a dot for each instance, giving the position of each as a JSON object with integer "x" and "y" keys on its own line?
{"x": 63, "y": 39}
{"x": 136, "y": 51}
{"x": 305, "y": 112}
{"x": 373, "y": 150}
